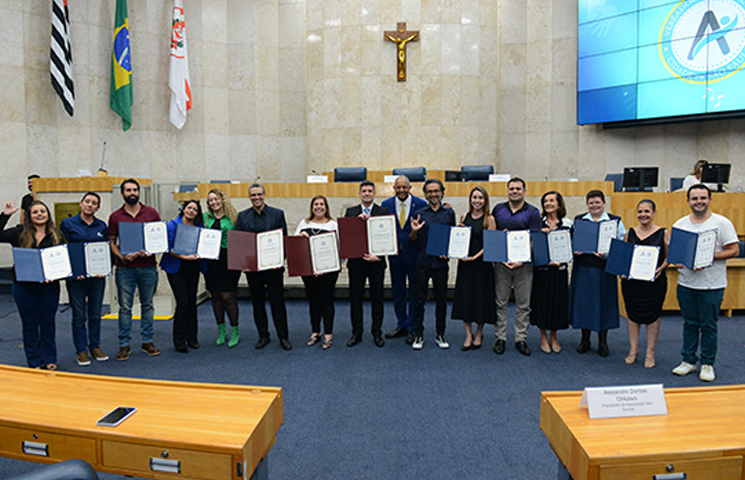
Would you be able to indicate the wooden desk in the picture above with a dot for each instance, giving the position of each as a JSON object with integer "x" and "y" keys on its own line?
{"x": 702, "y": 436}
{"x": 206, "y": 431}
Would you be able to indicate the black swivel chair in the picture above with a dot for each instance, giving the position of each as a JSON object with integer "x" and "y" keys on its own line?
{"x": 476, "y": 173}
{"x": 350, "y": 174}
{"x": 415, "y": 174}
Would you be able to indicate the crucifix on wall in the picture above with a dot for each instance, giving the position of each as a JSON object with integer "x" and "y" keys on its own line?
{"x": 401, "y": 37}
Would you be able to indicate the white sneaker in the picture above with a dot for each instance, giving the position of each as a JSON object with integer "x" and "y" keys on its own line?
{"x": 441, "y": 342}
{"x": 707, "y": 373}
{"x": 685, "y": 368}
{"x": 418, "y": 343}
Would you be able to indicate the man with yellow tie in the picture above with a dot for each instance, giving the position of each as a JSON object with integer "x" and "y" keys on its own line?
{"x": 404, "y": 205}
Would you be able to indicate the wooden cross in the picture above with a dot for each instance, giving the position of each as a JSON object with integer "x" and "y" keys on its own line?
{"x": 401, "y": 37}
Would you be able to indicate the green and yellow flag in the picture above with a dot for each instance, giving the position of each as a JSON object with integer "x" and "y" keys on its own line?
{"x": 121, "y": 67}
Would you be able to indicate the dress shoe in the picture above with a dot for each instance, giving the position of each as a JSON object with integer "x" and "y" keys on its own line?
{"x": 523, "y": 348}
{"x": 583, "y": 347}
{"x": 545, "y": 349}
{"x": 194, "y": 344}
{"x": 603, "y": 350}
{"x": 556, "y": 348}
{"x": 263, "y": 342}
{"x": 499, "y": 347}
{"x": 409, "y": 338}
{"x": 466, "y": 348}
{"x": 378, "y": 340}
{"x": 354, "y": 340}
{"x": 397, "y": 333}
{"x": 181, "y": 348}
{"x": 285, "y": 344}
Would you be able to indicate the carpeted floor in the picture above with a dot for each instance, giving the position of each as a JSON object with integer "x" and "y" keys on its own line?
{"x": 391, "y": 412}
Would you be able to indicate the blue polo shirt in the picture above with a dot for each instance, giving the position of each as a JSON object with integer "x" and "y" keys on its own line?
{"x": 76, "y": 230}
{"x": 526, "y": 218}
{"x": 443, "y": 215}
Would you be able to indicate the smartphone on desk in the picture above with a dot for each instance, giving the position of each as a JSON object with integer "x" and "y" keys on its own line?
{"x": 116, "y": 416}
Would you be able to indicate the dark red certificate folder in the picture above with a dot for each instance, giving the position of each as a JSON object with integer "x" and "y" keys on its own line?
{"x": 242, "y": 251}
{"x": 299, "y": 262}
{"x": 352, "y": 237}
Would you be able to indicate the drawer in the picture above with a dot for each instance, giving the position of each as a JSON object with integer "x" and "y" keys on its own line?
{"x": 719, "y": 468}
{"x": 37, "y": 445}
{"x": 131, "y": 457}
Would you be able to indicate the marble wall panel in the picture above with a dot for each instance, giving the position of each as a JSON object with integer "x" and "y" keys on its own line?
{"x": 217, "y": 157}
{"x": 14, "y": 158}
{"x": 371, "y": 48}
{"x": 13, "y": 93}
{"x": 351, "y": 51}
{"x": 370, "y": 13}
{"x": 215, "y": 64}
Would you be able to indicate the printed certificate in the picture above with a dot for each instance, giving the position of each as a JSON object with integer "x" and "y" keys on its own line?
{"x": 560, "y": 246}
{"x": 518, "y": 246}
{"x": 156, "y": 237}
{"x": 324, "y": 253}
{"x": 209, "y": 244}
{"x": 97, "y": 259}
{"x": 270, "y": 252}
{"x": 381, "y": 235}
{"x": 460, "y": 241}
{"x": 56, "y": 262}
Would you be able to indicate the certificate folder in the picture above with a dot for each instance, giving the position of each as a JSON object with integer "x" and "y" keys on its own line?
{"x": 438, "y": 239}
{"x": 299, "y": 263}
{"x": 588, "y": 236}
{"x": 242, "y": 251}
{"x": 190, "y": 238}
{"x": 496, "y": 246}
{"x": 376, "y": 235}
{"x": 132, "y": 237}
{"x": 542, "y": 250}
{"x": 637, "y": 262}
{"x": 691, "y": 249}
{"x": 352, "y": 237}
{"x": 41, "y": 265}
{"x": 90, "y": 259}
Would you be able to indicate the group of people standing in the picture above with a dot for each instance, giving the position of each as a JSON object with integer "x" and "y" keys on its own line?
{"x": 542, "y": 294}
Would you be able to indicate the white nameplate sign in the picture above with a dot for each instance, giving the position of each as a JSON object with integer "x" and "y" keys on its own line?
{"x": 317, "y": 179}
{"x": 499, "y": 177}
{"x": 390, "y": 178}
{"x": 628, "y": 401}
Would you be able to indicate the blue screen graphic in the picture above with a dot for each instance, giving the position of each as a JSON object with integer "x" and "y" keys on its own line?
{"x": 649, "y": 59}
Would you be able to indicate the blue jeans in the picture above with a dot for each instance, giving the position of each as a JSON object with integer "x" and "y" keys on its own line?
{"x": 86, "y": 298}
{"x": 700, "y": 311}
{"x": 145, "y": 279}
{"x": 37, "y": 305}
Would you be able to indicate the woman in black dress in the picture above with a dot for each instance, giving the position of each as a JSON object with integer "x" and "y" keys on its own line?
{"x": 644, "y": 299}
{"x": 549, "y": 302}
{"x": 474, "y": 284}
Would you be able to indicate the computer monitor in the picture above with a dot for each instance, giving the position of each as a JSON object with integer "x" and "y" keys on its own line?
{"x": 716, "y": 173}
{"x": 640, "y": 179}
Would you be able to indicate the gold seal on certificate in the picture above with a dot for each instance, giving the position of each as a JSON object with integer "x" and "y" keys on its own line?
{"x": 381, "y": 235}
{"x": 209, "y": 244}
{"x": 270, "y": 251}
{"x": 56, "y": 262}
{"x": 460, "y": 240}
{"x": 97, "y": 259}
{"x": 324, "y": 253}
{"x": 156, "y": 237}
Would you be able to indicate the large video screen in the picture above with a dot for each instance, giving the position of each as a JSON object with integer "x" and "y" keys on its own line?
{"x": 651, "y": 59}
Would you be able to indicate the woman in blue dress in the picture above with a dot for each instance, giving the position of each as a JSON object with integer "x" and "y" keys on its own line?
{"x": 593, "y": 301}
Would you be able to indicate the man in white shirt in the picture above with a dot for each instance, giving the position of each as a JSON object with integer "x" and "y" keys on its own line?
{"x": 700, "y": 291}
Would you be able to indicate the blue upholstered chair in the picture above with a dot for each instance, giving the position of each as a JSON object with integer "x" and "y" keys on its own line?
{"x": 350, "y": 174}
{"x": 676, "y": 183}
{"x": 617, "y": 179}
{"x": 476, "y": 173}
{"x": 415, "y": 174}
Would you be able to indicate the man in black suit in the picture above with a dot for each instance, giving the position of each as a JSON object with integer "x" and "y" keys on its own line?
{"x": 370, "y": 268}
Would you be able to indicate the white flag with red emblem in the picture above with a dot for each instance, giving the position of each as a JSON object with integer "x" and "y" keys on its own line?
{"x": 178, "y": 77}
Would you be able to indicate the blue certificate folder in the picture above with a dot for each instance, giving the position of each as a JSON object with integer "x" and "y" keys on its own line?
{"x": 131, "y": 237}
{"x": 682, "y": 250}
{"x": 619, "y": 258}
{"x": 28, "y": 266}
{"x": 77, "y": 258}
{"x": 495, "y": 246}
{"x": 187, "y": 239}
{"x": 438, "y": 239}
{"x": 585, "y": 239}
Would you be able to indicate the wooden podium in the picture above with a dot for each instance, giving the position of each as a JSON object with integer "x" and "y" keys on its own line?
{"x": 703, "y": 437}
{"x": 180, "y": 430}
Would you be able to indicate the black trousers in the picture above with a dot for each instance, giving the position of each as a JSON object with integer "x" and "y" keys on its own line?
{"x": 320, "y": 292}
{"x": 260, "y": 284}
{"x": 184, "y": 285}
{"x": 372, "y": 272}
{"x": 439, "y": 278}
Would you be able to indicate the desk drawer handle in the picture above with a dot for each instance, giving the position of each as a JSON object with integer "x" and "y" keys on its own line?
{"x": 671, "y": 476}
{"x": 36, "y": 448}
{"x": 163, "y": 465}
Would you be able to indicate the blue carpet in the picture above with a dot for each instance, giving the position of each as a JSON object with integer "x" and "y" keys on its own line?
{"x": 390, "y": 413}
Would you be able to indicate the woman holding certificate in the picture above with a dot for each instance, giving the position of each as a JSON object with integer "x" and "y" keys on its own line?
{"x": 320, "y": 289}
{"x": 549, "y": 302}
{"x": 644, "y": 299}
{"x": 183, "y": 277}
{"x": 86, "y": 293}
{"x": 473, "y": 301}
{"x": 36, "y": 301}
{"x": 593, "y": 301}
{"x": 221, "y": 282}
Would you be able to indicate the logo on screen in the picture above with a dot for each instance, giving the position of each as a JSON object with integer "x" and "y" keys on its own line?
{"x": 704, "y": 42}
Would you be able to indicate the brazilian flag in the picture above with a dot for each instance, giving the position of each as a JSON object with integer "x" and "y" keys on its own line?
{"x": 121, "y": 67}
